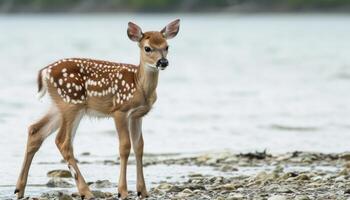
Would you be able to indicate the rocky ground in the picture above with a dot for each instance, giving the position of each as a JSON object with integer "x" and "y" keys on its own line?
{"x": 296, "y": 175}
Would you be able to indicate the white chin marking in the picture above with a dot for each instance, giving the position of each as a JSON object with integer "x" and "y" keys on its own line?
{"x": 152, "y": 67}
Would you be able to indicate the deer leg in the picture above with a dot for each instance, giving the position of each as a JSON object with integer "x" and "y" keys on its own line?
{"x": 137, "y": 142}
{"x": 37, "y": 133}
{"x": 122, "y": 124}
{"x": 64, "y": 141}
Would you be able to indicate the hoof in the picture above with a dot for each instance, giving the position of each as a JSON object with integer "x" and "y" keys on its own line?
{"x": 139, "y": 195}
{"x": 18, "y": 193}
{"x": 83, "y": 197}
{"x": 120, "y": 197}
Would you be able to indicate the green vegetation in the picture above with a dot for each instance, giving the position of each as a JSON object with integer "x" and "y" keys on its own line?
{"x": 172, "y": 5}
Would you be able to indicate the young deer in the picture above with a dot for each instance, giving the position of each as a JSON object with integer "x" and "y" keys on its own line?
{"x": 100, "y": 88}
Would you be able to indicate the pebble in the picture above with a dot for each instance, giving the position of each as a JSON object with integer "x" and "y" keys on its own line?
{"x": 303, "y": 177}
{"x": 102, "y": 184}
{"x": 344, "y": 172}
{"x": 302, "y": 197}
{"x": 59, "y": 182}
{"x": 182, "y": 194}
{"x": 98, "y": 194}
{"x": 227, "y": 168}
{"x": 228, "y": 186}
{"x": 345, "y": 156}
{"x": 187, "y": 191}
{"x": 235, "y": 196}
{"x": 277, "y": 197}
{"x": 164, "y": 186}
{"x": 85, "y": 154}
{"x": 55, "y": 195}
{"x": 59, "y": 173}
{"x": 195, "y": 175}
{"x": 340, "y": 179}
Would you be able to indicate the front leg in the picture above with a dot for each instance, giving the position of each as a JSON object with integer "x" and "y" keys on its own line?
{"x": 122, "y": 124}
{"x": 137, "y": 141}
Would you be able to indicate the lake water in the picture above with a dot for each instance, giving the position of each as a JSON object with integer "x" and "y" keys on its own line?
{"x": 237, "y": 82}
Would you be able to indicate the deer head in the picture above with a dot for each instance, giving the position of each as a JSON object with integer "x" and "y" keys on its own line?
{"x": 153, "y": 44}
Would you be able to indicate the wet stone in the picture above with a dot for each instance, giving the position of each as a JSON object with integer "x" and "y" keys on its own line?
{"x": 164, "y": 186}
{"x": 227, "y": 168}
{"x": 345, "y": 156}
{"x": 302, "y": 197}
{"x": 56, "y": 195}
{"x": 110, "y": 162}
{"x": 85, "y": 154}
{"x": 59, "y": 173}
{"x": 98, "y": 194}
{"x": 195, "y": 175}
{"x": 59, "y": 182}
{"x": 235, "y": 196}
{"x": 187, "y": 191}
{"x": 303, "y": 177}
{"x": 228, "y": 186}
{"x": 277, "y": 197}
{"x": 102, "y": 184}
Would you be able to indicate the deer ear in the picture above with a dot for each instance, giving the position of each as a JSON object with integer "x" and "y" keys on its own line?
{"x": 134, "y": 32}
{"x": 171, "y": 30}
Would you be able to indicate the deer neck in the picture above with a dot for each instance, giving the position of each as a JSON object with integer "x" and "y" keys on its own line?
{"x": 147, "y": 79}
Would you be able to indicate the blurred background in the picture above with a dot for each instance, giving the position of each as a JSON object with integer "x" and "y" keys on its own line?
{"x": 165, "y": 6}
{"x": 244, "y": 75}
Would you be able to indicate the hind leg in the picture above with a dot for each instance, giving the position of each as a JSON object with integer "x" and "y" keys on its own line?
{"x": 37, "y": 133}
{"x": 70, "y": 120}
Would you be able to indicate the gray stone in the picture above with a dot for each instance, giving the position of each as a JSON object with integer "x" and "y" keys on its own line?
{"x": 195, "y": 175}
{"x": 56, "y": 195}
{"x": 345, "y": 156}
{"x": 302, "y": 197}
{"x": 59, "y": 182}
{"x": 102, "y": 184}
{"x": 98, "y": 194}
{"x": 59, "y": 173}
{"x": 85, "y": 154}
{"x": 277, "y": 197}
{"x": 235, "y": 196}
{"x": 227, "y": 168}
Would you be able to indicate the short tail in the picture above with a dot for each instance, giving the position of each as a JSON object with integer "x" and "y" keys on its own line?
{"x": 42, "y": 87}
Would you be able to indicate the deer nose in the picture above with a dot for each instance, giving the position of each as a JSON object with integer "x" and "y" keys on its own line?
{"x": 163, "y": 62}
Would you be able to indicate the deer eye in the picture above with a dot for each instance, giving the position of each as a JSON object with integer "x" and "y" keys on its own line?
{"x": 147, "y": 49}
{"x": 167, "y": 48}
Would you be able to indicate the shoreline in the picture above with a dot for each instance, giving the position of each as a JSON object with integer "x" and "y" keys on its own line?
{"x": 256, "y": 175}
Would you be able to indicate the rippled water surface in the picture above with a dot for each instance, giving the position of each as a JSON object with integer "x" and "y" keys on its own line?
{"x": 239, "y": 82}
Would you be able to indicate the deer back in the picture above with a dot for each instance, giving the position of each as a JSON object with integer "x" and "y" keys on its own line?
{"x": 83, "y": 81}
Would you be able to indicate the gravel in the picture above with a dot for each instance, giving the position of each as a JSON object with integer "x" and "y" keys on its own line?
{"x": 275, "y": 179}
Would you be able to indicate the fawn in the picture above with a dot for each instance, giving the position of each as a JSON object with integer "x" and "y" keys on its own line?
{"x": 80, "y": 86}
